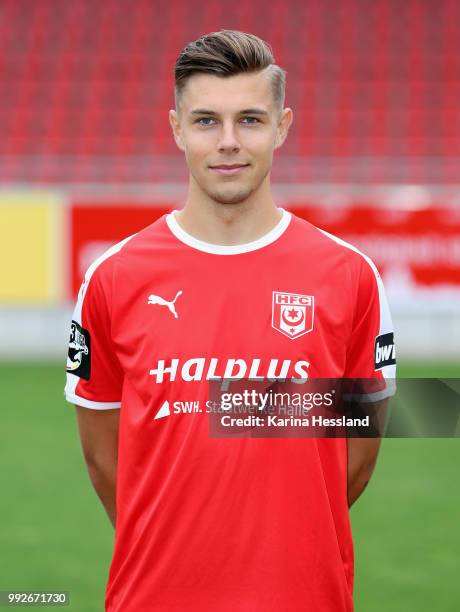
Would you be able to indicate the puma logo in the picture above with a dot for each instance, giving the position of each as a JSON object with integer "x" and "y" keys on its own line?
{"x": 156, "y": 299}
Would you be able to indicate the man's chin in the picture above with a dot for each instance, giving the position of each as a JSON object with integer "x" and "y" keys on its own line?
{"x": 230, "y": 196}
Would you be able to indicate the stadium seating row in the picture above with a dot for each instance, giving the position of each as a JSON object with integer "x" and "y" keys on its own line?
{"x": 94, "y": 79}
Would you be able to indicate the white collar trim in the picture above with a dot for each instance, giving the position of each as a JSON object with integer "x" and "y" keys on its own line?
{"x": 234, "y": 249}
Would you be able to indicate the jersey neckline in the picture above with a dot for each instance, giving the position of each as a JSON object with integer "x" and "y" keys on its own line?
{"x": 223, "y": 249}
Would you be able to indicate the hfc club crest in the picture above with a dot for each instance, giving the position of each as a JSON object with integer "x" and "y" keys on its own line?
{"x": 292, "y": 313}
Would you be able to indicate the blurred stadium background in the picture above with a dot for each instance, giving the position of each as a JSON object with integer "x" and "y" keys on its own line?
{"x": 86, "y": 158}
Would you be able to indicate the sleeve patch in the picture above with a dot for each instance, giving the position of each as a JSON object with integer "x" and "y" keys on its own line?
{"x": 79, "y": 356}
{"x": 385, "y": 352}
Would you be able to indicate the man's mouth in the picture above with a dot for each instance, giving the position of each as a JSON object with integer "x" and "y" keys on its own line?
{"x": 228, "y": 169}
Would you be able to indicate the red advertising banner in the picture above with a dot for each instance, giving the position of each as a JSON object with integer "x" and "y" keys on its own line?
{"x": 416, "y": 250}
{"x": 424, "y": 244}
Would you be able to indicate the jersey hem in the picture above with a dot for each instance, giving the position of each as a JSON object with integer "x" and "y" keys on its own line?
{"x": 86, "y": 403}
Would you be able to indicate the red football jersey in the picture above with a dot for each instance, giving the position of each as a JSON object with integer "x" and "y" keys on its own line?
{"x": 225, "y": 523}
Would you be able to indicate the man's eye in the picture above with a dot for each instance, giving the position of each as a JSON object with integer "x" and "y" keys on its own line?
{"x": 205, "y": 121}
{"x": 251, "y": 120}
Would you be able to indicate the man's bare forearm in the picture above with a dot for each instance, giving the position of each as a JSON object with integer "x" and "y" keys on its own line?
{"x": 362, "y": 457}
{"x": 363, "y": 452}
{"x": 99, "y": 441}
{"x": 105, "y": 485}
{"x": 357, "y": 482}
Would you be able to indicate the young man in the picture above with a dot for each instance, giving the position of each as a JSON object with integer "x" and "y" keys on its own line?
{"x": 224, "y": 524}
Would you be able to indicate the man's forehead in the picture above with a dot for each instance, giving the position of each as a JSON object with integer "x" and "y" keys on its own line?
{"x": 227, "y": 94}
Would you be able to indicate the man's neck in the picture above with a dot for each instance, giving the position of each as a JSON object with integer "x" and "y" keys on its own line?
{"x": 229, "y": 224}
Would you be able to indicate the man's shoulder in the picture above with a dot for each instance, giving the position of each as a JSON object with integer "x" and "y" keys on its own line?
{"x": 322, "y": 245}
{"x": 122, "y": 250}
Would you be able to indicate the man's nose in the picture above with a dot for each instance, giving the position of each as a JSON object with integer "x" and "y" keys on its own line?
{"x": 228, "y": 140}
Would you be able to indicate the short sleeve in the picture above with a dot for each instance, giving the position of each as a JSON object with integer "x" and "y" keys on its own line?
{"x": 371, "y": 352}
{"x": 94, "y": 374}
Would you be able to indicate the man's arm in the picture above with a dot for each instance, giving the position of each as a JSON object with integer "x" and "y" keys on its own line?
{"x": 363, "y": 452}
{"x": 99, "y": 441}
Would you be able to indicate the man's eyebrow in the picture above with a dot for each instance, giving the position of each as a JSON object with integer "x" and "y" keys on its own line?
{"x": 253, "y": 111}
{"x": 246, "y": 111}
{"x": 202, "y": 111}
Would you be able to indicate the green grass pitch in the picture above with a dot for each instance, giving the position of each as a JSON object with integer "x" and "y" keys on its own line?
{"x": 54, "y": 534}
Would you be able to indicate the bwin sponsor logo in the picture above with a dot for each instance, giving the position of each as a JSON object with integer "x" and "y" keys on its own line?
{"x": 385, "y": 352}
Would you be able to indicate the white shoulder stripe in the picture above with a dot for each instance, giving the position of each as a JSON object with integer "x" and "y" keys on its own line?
{"x": 352, "y": 248}
{"x": 72, "y": 380}
{"x": 90, "y": 271}
{"x": 386, "y": 324}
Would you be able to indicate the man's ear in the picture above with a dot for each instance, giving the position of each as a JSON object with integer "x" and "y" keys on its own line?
{"x": 174, "y": 122}
{"x": 283, "y": 126}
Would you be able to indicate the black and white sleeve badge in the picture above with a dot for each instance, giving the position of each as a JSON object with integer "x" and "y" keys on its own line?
{"x": 385, "y": 351}
{"x": 79, "y": 356}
